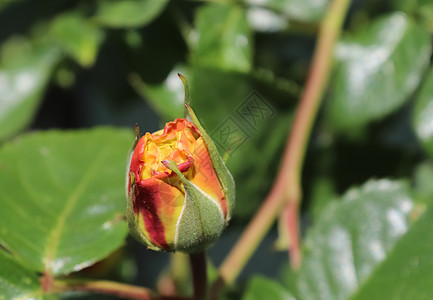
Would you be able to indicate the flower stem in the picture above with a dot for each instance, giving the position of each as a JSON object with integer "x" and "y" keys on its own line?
{"x": 287, "y": 187}
{"x": 199, "y": 274}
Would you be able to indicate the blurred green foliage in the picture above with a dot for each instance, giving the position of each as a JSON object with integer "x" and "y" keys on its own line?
{"x": 78, "y": 64}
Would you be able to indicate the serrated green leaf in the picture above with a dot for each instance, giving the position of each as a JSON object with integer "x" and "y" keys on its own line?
{"x": 224, "y": 38}
{"x": 353, "y": 238}
{"x": 378, "y": 68}
{"x": 300, "y": 10}
{"x": 423, "y": 114}
{"x": 78, "y": 37}
{"x": 128, "y": 13}
{"x": 24, "y": 76}
{"x": 407, "y": 270}
{"x": 63, "y": 197}
{"x": 260, "y": 288}
{"x": 17, "y": 283}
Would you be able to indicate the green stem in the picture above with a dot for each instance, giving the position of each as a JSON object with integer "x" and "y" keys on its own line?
{"x": 199, "y": 275}
{"x": 287, "y": 188}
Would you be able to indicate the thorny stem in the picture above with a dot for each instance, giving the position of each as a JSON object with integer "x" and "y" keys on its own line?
{"x": 287, "y": 188}
{"x": 199, "y": 275}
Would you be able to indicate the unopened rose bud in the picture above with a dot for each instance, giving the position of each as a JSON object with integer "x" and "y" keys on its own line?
{"x": 180, "y": 194}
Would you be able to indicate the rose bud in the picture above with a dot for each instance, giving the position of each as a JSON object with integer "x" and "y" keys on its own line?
{"x": 180, "y": 193}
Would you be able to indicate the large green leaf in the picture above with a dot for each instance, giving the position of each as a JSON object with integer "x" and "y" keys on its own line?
{"x": 423, "y": 114}
{"x": 25, "y": 69}
{"x": 353, "y": 238}
{"x": 128, "y": 13}
{"x": 260, "y": 288}
{"x": 300, "y": 10}
{"x": 224, "y": 38}
{"x": 378, "y": 68}
{"x": 408, "y": 269}
{"x": 78, "y": 37}
{"x": 63, "y": 197}
{"x": 18, "y": 283}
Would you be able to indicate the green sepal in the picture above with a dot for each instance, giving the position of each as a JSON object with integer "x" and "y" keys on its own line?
{"x": 187, "y": 98}
{"x": 201, "y": 221}
{"x": 223, "y": 174}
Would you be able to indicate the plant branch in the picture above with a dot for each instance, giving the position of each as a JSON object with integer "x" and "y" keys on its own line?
{"x": 118, "y": 289}
{"x": 199, "y": 275}
{"x": 104, "y": 287}
{"x": 287, "y": 187}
